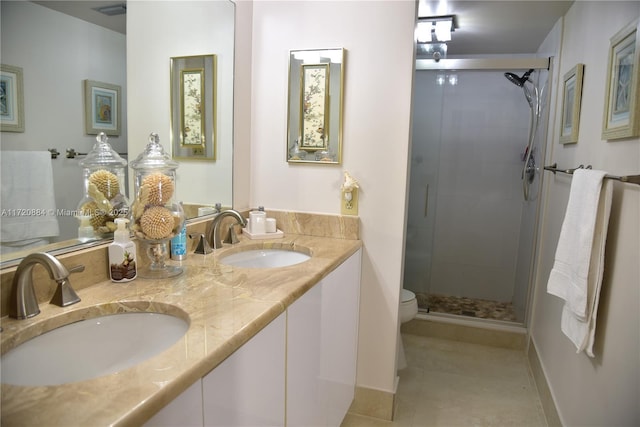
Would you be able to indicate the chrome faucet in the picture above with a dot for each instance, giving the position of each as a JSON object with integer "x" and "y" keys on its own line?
{"x": 213, "y": 232}
{"x": 23, "y": 303}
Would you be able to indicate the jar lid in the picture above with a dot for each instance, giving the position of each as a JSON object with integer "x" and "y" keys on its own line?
{"x": 154, "y": 156}
{"x": 102, "y": 154}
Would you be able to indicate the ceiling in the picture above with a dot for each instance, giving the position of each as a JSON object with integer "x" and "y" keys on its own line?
{"x": 85, "y": 10}
{"x": 497, "y": 27}
{"x": 484, "y": 27}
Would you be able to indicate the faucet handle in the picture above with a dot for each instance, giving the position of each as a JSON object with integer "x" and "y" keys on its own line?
{"x": 77, "y": 269}
{"x": 232, "y": 237}
{"x": 65, "y": 295}
{"x": 203, "y": 247}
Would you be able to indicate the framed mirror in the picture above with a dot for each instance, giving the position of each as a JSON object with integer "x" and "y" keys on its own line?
{"x": 55, "y": 113}
{"x": 193, "y": 115}
{"x": 120, "y": 55}
{"x": 314, "y": 117}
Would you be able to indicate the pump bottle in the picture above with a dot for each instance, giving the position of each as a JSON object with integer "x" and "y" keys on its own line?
{"x": 122, "y": 254}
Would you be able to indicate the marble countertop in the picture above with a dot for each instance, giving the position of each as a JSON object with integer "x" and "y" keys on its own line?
{"x": 225, "y": 307}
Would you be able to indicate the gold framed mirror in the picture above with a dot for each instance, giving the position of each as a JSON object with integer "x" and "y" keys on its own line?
{"x": 314, "y": 116}
{"x": 193, "y": 107}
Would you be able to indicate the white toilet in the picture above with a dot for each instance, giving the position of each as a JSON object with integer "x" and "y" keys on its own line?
{"x": 408, "y": 310}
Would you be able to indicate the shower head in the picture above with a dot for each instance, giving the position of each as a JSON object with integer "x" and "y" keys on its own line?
{"x": 518, "y": 81}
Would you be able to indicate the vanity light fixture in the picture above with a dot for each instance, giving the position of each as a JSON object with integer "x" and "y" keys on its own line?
{"x": 435, "y": 28}
{"x": 432, "y": 33}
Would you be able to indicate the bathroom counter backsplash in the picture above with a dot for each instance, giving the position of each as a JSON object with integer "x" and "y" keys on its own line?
{"x": 226, "y": 306}
{"x": 95, "y": 259}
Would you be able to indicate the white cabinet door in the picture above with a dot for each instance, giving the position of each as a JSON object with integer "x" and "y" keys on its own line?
{"x": 305, "y": 397}
{"x": 185, "y": 410}
{"x": 248, "y": 388}
{"x": 322, "y": 331}
{"x": 339, "y": 338}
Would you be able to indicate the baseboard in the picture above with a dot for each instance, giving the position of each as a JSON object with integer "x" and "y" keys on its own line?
{"x": 548, "y": 405}
{"x": 472, "y": 331}
{"x": 373, "y": 403}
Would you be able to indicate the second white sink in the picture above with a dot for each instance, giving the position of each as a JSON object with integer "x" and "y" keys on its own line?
{"x": 91, "y": 348}
{"x": 264, "y": 258}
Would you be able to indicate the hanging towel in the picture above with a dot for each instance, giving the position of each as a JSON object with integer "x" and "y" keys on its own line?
{"x": 27, "y": 198}
{"x": 576, "y": 276}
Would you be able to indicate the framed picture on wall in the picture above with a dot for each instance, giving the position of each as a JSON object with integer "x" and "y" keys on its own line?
{"x": 194, "y": 111}
{"x": 102, "y": 108}
{"x": 11, "y": 99}
{"x": 622, "y": 106}
{"x": 314, "y": 107}
{"x": 571, "y": 99}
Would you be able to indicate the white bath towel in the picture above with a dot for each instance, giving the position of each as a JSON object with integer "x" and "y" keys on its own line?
{"x": 576, "y": 275}
{"x": 27, "y": 196}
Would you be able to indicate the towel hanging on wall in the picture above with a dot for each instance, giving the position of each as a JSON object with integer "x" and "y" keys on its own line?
{"x": 27, "y": 197}
{"x": 576, "y": 276}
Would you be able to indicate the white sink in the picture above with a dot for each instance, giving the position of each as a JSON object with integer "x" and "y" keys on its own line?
{"x": 91, "y": 348}
{"x": 264, "y": 258}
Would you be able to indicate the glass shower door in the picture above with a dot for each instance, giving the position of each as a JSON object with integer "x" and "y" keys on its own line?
{"x": 465, "y": 209}
{"x": 425, "y": 154}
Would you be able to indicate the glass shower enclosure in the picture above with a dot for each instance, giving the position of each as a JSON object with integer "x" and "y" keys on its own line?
{"x": 470, "y": 232}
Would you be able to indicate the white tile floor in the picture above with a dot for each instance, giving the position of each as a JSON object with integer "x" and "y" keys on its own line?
{"x": 450, "y": 383}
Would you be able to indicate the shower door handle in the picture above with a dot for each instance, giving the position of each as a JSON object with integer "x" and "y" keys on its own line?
{"x": 426, "y": 199}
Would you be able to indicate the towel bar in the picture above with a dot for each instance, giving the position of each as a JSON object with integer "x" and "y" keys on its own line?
{"x": 54, "y": 153}
{"x": 71, "y": 153}
{"x": 632, "y": 179}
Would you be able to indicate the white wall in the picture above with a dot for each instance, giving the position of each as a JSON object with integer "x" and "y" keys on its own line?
{"x": 378, "y": 75}
{"x": 242, "y": 105}
{"x": 604, "y": 390}
{"x": 157, "y": 31}
{"x": 57, "y": 53}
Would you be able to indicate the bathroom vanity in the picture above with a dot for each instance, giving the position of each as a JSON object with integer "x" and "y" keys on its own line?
{"x": 265, "y": 346}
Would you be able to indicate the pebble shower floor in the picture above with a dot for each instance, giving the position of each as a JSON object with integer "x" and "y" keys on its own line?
{"x": 463, "y": 306}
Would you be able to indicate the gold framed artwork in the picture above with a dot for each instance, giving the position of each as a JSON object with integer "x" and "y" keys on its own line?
{"x": 193, "y": 107}
{"x": 11, "y": 99}
{"x": 314, "y": 118}
{"x": 571, "y": 99}
{"x": 102, "y": 108}
{"x": 622, "y": 103}
{"x": 314, "y": 105}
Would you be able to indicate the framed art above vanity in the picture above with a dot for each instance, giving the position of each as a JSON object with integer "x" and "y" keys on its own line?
{"x": 314, "y": 118}
{"x": 193, "y": 107}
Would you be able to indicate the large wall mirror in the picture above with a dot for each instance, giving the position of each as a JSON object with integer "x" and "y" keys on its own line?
{"x": 58, "y": 45}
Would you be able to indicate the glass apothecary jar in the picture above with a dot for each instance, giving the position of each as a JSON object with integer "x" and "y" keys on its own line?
{"x": 156, "y": 216}
{"x": 104, "y": 199}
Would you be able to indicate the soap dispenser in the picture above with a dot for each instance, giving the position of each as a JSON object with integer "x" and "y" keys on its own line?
{"x": 122, "y": 254}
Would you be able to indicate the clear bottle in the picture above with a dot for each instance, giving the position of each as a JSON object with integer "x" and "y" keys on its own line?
{"x": 179, "y": 244}
{"x": 86, "y": 232}
{"x": 122, "y": 254}
{"x": 104, "y": 197}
